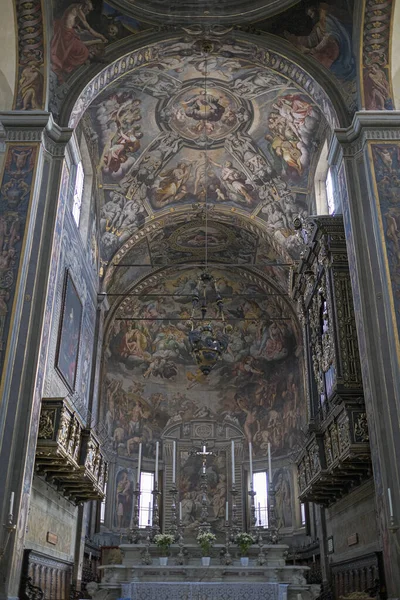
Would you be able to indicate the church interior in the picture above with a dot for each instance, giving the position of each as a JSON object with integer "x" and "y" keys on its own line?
{"x": 199, "y": 299}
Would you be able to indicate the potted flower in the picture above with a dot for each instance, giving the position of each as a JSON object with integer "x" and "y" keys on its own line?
{"x": 164, "y": 541}
{"x": 244, "y": 541}
{"x": 206, "y": 540}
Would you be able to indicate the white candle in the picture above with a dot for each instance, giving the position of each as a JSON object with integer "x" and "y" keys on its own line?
{"x": 148, "y": 520}
{"x": 269, "y": 464}
{"x": 226, "y": 511}
{"x": 313, "y": 558}
{"x": 233, "y": 461}
{"x": 180, "y": 511}
{"x": 390, "y": 503}
{"x": 174, "y": 462}
{"x": 139, "y": 464}
{"x": 251, "y": 464}
{"x": 156, "y": 467}
{"x": 204, "y": 449}
{"x": 10, "y": 512}
{"x": 259, "y": 513}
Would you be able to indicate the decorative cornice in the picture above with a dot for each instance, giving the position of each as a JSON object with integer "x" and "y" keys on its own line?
{"x": 35, "y": 126}
{"x": 367, "y": 125}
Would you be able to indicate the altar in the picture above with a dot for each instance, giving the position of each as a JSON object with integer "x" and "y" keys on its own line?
{"x": 141, "y": 577}
{"x": 204, "y": 590}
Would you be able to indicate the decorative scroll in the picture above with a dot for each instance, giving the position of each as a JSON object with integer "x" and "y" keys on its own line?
{"x": 30, "y": 80}
{"x": 376, "y": 55}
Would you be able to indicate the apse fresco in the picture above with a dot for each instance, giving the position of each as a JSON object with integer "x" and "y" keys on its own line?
{"x": 322, "y": 31}
{"x": 150, "y": 377}
{"x": 167, "y": 140}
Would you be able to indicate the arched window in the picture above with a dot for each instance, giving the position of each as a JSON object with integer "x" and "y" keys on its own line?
{"x": 326, "y": 199}
{"x": 78, "y": 193}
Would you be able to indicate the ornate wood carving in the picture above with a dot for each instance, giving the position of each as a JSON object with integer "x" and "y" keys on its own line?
{"x": 44, "y": 577}
{"x": 336, "y": 455}
{"x": 69, "y": 455}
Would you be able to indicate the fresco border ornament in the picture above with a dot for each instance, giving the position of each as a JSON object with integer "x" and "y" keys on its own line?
{"x": 376, "y": 71}
{"x": 30, "y": 76}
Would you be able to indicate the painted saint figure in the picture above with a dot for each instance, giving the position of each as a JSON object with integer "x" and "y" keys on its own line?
{"x": 329, "y": 42}
{"x": 68, "y": 50}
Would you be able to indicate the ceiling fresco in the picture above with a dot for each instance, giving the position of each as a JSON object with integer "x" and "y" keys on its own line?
{"x": 152, "y": 379}
{"x": 194, "y": 127}
{"x": 175, "y": 239}
{"x": 322, "y": 31}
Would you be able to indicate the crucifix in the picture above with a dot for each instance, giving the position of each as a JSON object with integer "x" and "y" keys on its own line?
{"x": 204, "y": 455}
{"x": 204, "y": 524}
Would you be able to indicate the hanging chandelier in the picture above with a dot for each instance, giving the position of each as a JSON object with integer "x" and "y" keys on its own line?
{"x": 207, "y": 344}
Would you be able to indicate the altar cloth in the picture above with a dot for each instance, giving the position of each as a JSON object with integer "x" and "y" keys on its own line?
{"x": 203, "y": 591}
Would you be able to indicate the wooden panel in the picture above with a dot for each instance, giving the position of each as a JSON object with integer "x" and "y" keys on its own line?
{"x": 52, "y": 576}
{"x": 358, "y": 575}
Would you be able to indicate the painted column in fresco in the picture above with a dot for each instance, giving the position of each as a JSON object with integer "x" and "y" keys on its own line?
{"x": 368, "y": 159}
{"x": 30, "y": 229}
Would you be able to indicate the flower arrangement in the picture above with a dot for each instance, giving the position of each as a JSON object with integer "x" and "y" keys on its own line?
{"x": 206, "y": 540}
{"x": 163, "y": 541}
{"x": 244, "y": 541}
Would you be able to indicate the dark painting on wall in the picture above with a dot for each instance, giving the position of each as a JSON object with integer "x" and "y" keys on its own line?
{"x": 69, "y": 336}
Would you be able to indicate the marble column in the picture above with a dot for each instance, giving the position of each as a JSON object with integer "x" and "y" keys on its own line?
{"x": 367, "y": 159}
{"x": 31, "y": 213}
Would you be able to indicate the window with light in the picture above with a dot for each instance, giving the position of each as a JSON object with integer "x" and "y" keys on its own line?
{"x": 146, "y": 499}
{"x": 78, "y": 192}
{"x": 260, "y": 487}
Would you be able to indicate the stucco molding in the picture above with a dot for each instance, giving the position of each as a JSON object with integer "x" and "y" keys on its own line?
{"x": 367, "y": 125}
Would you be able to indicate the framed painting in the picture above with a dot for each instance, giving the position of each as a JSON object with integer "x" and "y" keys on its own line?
{"x": 69, "y": 334}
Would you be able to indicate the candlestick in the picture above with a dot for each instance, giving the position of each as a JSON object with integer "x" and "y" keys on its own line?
{"x": 10, "y": 512}
{"x": 174, "y": 462}
{"x": 174, "y": 515}
{"x": 148, "y": 518}
{"x": 226, "y": 511}
{"x": 251, "y": 464}
{"x": 180, "y": 511}
{"x": 390, "y": 503}
{"x": 233, "y": 461}
{"x": 259, "y": 514}
{"x": 156, "y": 467}
{"x": 269, "y": 464}
{"x": 139, "y": 464}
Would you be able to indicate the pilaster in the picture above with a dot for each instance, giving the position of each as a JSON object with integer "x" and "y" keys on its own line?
{"x": 31, "y": 215}
{"x": 367, "y": 156}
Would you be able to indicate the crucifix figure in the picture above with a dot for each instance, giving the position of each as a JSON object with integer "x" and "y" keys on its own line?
{"x": 204, "y": 455}
{"x": 204, "y": 524}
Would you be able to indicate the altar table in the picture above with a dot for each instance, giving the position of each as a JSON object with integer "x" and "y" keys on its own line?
{"x": 202, "y": 590}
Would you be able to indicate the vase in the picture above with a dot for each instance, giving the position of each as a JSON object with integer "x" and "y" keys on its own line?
{"x": 244, "y": 561}
{"x": 205, "y": 561}
{"x": 163, "y": 561}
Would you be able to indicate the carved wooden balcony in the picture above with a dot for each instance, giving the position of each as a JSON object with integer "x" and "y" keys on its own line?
{"x": 336, "y": 457}
{"x": 68, "y": 455}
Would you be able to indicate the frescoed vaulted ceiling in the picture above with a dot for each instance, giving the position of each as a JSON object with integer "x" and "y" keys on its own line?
{"x": 199, "y": 126}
